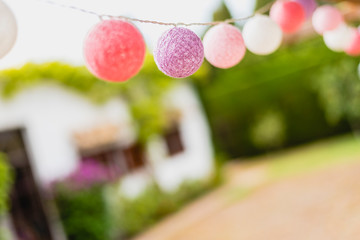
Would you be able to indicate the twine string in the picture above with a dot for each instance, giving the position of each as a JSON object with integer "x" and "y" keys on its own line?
{"x": 261, "y": 10}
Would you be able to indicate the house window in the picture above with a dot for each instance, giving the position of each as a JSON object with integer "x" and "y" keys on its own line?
{"x": 173, "y": 141}
{"x": 117, "y": 160}
{"x": 134, "y": 156}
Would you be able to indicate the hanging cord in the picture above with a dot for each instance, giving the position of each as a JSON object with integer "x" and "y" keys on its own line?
{"x": 262, "y": 10}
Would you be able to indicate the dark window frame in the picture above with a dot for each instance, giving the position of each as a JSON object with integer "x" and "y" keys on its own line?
{"x": 174, "y": 141}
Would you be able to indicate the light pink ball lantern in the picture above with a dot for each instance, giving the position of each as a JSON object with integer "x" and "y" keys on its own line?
{"x": 224, "y": 46}
{"x": 326, "y": 18}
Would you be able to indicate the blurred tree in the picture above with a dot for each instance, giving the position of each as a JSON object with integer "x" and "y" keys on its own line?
{"x": 261, "y": 3}
{"x": 221, "y": 13}
{"x": 269, "y": 130}
{"x": 284, "y": 80}
{"x": 339, "y": 92}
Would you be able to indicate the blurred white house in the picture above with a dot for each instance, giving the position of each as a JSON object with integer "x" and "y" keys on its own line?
{"x": 60, "y": 128}
{"x": 47, "y": 131}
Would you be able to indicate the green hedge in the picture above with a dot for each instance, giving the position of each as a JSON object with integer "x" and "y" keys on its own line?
{"x": 143, "y": 93}
{"x": 83, "y": 213}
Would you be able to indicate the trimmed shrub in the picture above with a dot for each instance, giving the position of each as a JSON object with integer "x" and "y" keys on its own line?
{"x": 83, "y": 213}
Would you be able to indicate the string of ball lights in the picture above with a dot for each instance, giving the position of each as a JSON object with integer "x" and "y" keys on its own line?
{"x": 114, "y": 49}
{"x": 261, "y": 10}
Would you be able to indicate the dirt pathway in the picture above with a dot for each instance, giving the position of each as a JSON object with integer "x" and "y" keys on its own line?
{"x": 320, "y": 206}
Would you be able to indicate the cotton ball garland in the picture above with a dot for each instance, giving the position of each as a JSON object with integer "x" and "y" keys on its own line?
{"x": 354, "y": 48}
{"x": 8, "y": 29}
{"x": 114, "y": 50}
{"x": 179, "y": 52}
{"x": 262, "y": 35}
{"x": 224, "y": 46}
{"x": 340, "y": 38}
{"x": 288, "y": 14}
{"x": 326, "y": 18}
{"x": 308, "y": 5}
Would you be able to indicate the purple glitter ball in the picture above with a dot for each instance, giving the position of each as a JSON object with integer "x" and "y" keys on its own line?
{"x": 179, "y": 52}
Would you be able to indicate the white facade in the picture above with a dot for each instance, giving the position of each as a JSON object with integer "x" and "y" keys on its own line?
{"x": 50, "y": 115}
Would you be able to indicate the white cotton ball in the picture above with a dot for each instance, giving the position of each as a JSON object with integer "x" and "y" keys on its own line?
{"x": 8, "y": 29}
{"x": 339, "y": 39}
{"x": 262, "y": 35}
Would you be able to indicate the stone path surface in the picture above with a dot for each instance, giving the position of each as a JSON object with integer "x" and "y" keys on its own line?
{"x": 323, "y": 205}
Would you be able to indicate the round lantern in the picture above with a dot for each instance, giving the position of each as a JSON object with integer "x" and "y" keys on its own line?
{"x": 8, "y": 29}
{"x": 340, "y": 38}
{"x": 262, "y": 35}
{"x": 224, "y": 46}
{"x": 326, "y": 18}
{"x": 289, "y": 15}
{"x": 114, "y": 50}
{"x": 308, "y": 5}
{"x": 354, "y": 48}
{"x": 179, "y": 52}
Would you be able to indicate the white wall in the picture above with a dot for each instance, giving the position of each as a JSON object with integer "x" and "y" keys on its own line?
{"x": 50, "y": 115}
{"x": 196, "y": 162}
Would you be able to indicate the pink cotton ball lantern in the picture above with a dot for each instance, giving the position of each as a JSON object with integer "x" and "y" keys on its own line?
{"x": 354, "y": 48}
{"x": 114, "y": 50}
{"x": 326, "y": 18}
{"x": 179, "y": 52}
{"x": 224, "y": 46}
{"x": 308, "y": 5}
{"x": 289, "y": 15}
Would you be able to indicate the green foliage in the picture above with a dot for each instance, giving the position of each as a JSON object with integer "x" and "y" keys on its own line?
{"x": 135, "y": 215}
{"x": 222, "y": 13}
{"x": 83, "y": 214}
{"x": 261, "y": 3}
{"x": 329, "y": 153}
{"x": 235, "y": 97}
{"x": 5, "y": 181}
{"x": 269, "y": 130}
{"x": 339, "y": 90}
{"x": 143, "y": 93}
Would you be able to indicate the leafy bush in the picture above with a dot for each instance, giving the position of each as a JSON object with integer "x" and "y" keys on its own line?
{"x": 339, "y": 90}
{"x": 79, "y": 198}
{"x": 135, "y": 215}
{"x": 5, "y": 181}
{"x": 83, "y": 213}
{"x": 269, "y": 130}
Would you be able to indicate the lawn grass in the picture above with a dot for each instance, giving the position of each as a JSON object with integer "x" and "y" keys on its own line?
{"x": 312, "y": 157}
{"x": 297, "y": 161}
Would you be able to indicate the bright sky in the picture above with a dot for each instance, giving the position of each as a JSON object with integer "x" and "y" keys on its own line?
{"x": 47, "y": 32}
